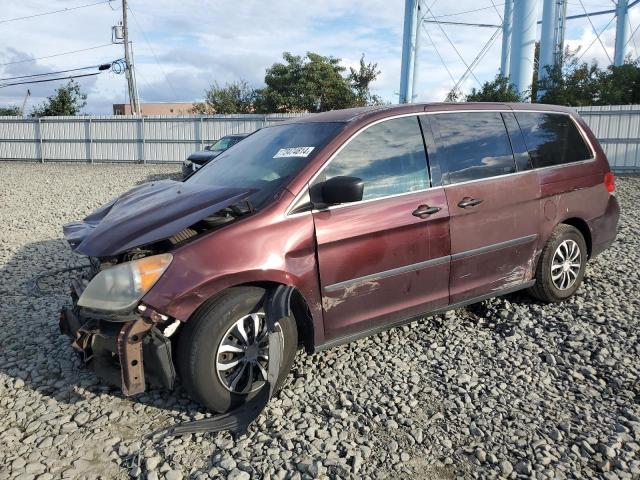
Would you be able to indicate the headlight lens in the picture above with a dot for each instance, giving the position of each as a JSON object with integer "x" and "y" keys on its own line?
{"x": 121, "y": 287}
{"x": 187, "y": 163}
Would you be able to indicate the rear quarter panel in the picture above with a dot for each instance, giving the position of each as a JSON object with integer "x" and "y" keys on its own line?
{"x": 574, "y": 190}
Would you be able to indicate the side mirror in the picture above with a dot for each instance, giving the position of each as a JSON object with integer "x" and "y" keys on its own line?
{"x": 342, "y": 190}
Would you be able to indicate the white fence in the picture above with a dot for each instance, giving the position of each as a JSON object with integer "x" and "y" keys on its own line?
{"x": 160, "y": 139}
{"x": 617, "y": 128}
{"x": 111, "y": 138}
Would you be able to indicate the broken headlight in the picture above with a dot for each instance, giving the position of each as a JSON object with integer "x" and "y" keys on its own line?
{"x": 121, "y": 287}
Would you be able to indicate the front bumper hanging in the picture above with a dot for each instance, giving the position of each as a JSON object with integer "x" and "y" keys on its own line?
{"x": 125, "y": 353}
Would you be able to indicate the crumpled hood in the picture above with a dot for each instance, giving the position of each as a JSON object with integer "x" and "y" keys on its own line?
{"x": 146, "y": 214}
{"x": 203, "y": 156}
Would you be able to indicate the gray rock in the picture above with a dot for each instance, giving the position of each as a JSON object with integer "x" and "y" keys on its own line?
{"x": 173, "y": 475}
{"x": 506, "y": 468}
{"x": 238, "y": 475}
{"x": 523, "y": 467}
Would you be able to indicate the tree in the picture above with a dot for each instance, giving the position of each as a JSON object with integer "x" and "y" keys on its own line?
{"x": 67, "y": 100}
{"x": 619, "y": 85}
{"x": 315, "y": 83}
{"x": 360, "y": 81}
{"x": 572, "y": 83}
{"x": 234, "y": 97}
{"x": 10, "y": 111}
{"x": 498, "y": 90}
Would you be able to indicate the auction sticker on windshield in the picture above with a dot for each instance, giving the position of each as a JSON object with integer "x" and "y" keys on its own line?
{"x": 294, "y": 152}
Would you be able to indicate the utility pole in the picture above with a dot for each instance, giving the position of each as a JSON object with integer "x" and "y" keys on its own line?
{"x": 416, "y": 55}
{"x": 24, "y": 102}
{"x": 133, "y": 99}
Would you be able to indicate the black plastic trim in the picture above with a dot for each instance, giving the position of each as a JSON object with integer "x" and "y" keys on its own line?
{"x": 495, "y": 246}
{"x": 387, "y": 273}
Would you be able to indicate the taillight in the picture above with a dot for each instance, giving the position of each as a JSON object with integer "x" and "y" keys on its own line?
{"x": 610, "y": 182}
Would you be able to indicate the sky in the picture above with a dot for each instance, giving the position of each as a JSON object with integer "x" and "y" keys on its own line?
{"x": 181, "y": 48}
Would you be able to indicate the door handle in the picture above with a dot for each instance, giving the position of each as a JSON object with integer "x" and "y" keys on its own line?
{"x": 469, "y": 202}
{"x": 424, "y": 210}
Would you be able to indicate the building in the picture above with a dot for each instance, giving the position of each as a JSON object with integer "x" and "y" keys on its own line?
{"x": 159, "y": 108}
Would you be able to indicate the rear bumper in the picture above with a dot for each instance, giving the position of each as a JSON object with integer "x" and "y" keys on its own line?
{"x": 127, "y": 353}
{"x": 605, "y": 228}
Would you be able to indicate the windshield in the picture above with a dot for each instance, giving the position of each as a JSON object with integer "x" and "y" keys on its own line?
{"x": 224, "y": 143}
{"x": 267, "y": 159}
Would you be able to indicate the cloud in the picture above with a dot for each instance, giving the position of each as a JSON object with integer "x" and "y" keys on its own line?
{"x": 182, "y": 47}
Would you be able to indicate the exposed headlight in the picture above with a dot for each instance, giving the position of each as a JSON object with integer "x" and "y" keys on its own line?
{"x": 187, "y": 163}
{"x": 121, "y": 287}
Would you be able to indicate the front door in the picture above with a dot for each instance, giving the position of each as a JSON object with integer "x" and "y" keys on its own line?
{"x": 493, "y": 207}
{"x": 385, "y": 258}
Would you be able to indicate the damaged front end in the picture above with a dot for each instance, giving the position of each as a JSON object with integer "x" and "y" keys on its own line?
{"x": 126, "y": 351}
{"x": 128, "y": 242}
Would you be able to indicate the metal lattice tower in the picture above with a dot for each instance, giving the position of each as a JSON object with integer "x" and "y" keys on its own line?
{"x": 518, "y": 29}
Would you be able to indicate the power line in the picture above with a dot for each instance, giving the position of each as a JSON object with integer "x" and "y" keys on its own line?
{"x": 144, "y": 35}
{"x": 483, "y": 51}
{"x": 596, "y": 32}
{"x": 54, "y": 11}
{"x": 595, "y": 39}
{"x": 454, "y": 47}
{"x": 50, "y": 79}
{"x": 633, "y": 32}
{"x": 494, "y": 5}
{"x": 106, "y": 65}
{"x": 444, "y": 64}
{"x": 57, "y": 54}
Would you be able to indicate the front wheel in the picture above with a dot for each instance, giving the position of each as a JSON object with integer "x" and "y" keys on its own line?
{"x": 223, "y": 351}
{"x": 561, "y": 265}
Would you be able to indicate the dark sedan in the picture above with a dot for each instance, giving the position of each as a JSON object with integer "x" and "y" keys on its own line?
{"x": 198, "y": 159}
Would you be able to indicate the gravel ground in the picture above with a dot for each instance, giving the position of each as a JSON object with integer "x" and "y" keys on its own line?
{"x": 507, "y": 388}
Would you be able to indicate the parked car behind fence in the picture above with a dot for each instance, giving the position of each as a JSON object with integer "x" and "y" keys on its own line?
{"x": 201, "y": 158}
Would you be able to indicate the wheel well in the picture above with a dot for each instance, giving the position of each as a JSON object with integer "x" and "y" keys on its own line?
{"x": 582, "y": 226}
{"x": 299, "y": 309}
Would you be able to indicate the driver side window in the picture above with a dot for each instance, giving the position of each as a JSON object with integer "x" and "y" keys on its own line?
{"x": 388, "y": 156}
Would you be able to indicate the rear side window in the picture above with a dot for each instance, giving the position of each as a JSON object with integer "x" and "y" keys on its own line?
{"x": 389, "y": 157}
{"x": 520, "y": 152}
{"x": 472, "y": 146}
{"x": 552, "y": 139}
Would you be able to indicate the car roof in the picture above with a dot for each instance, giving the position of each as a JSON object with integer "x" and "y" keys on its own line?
{"x": 380, "y": 111}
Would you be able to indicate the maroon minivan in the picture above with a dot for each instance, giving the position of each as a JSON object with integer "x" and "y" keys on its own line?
{"x": 330, "y": 227}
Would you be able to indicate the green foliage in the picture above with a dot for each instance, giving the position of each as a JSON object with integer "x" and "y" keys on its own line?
{"x": 313, "y": 83}
{"x": 572, "y": 83}
{"x": 10, "y": 111}
{"x": 361, "y": 79}
{"x": 310, "y": 83}
{"x": 498, "y": 90}
{"x": 67, "y": 100}
{"x": 620, "y": 85}
{"x": 578, "y": 84}
{"x": 234, "y": 97}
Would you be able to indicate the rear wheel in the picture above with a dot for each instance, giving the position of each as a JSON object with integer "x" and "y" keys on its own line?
{"x": 561, "y": 265}
{"x": 223, "y": 351}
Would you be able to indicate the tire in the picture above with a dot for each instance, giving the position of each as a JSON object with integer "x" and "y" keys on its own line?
{"x": 197, "y": 353}
{"x": 549, "y": 289}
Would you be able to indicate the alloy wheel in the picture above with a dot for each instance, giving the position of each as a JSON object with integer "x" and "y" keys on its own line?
{"x": 242, "y": 357}
{"x": 566, "y": 264}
